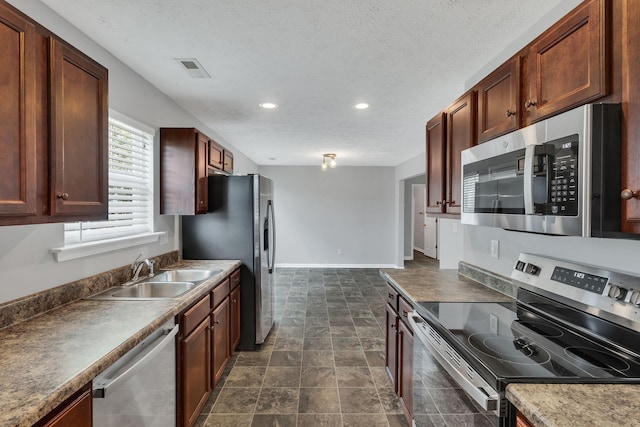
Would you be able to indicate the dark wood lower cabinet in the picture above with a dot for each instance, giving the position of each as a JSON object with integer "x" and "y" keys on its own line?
{"x": 220, "y": 340}
{"x": 391, "y": 337}
{"x": 207, "y": 339}
{"x": 405, "y": 368}
{"x": 399, "y": 349}
{"x": 195, "y": 385}
{"x": 234, "y": 316}
{"x": 75, "y": 411}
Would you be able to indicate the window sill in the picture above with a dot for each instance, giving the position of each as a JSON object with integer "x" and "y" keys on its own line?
{"x": 81, "y": 250}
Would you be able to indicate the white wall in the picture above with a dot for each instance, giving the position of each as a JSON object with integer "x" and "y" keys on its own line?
{"x": 25, "y": 262}
{"x": 347, "y": 208}
{"x": 610, "y": 253}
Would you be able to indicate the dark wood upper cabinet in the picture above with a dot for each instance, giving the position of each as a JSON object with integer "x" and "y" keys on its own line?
{"x": 567, "y": 65}
{"x": 461, "y": 134}
{"x": 216, "y": 155}
{"x": 499, "y": 101}
{"x": 183, "y": 171}
{"x": 54, "y": 132}
{"x": 436, "y": 142}
{"x": 18, "y": 107}
{"x": 227, "y": 161}
{"x": 79, "y": 138}
{"x": 631, "y": 111}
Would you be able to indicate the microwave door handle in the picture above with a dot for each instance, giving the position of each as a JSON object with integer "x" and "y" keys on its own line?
{"x": 529, "y": 156}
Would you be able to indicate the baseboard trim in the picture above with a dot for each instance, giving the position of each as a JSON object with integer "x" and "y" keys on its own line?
{"x": 290, "y": 265}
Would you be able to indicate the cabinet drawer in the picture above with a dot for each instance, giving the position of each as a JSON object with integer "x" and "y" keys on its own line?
{"x": 220, "y": 292}
{"x": 196, "y": 314}
{"x": 235, "y": 279}
{"x": 404, "y": 309}
{"x": 392, "y": 297}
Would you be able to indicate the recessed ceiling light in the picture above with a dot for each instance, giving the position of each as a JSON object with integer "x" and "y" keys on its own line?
{"x": 361, "y": 106}
{"x": 268, "y": 105}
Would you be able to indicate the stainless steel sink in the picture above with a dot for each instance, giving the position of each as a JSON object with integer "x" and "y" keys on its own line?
{"x": 155, "y": 289}
{"x": 166, "y": 285}
{"x": 184, "y": 275}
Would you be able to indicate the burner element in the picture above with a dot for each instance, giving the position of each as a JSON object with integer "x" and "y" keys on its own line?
{"x": 518, "y": 351}
{"x": 598, "y": 358}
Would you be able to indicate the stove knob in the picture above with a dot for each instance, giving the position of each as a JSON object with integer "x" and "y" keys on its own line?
{"x": 617, "y": 292}
{"x": 635, "y": 298}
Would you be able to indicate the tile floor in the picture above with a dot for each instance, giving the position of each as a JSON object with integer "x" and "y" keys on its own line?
{"x": 322, "y": 365}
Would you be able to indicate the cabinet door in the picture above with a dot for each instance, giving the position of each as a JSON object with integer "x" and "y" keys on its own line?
{"x": 78, "y": 120}
{"x": 405, "y": 368}
{"x": 228, "y": 161}
{"x": 195, "y": 373}
{"x": 18, "y": 107}
{"x": 220, "y": 340}
{"x": 234, "y": 329}
{"x": 77, "y": 411}
{"x": 202, "y": 182}
{"x": 498, "y": 101}
{"x": 216, "y": 158}
{"x": 631, "y": 95}
{"x": 461, "y": 134}
{"x": 391, "y": 347}
{"x": 567, "y": 66}
{"x": 436, "y": 134}
{"x": 521, "y": 421}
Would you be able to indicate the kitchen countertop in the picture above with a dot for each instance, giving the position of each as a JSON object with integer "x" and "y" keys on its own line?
{"x": 544, "y": 405}
{"x": 433, "y": 284}
{"x": 562, "y": 405}
{"x": 45, "y": 359}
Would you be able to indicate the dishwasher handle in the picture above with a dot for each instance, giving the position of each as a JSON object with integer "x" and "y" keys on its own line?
{"x": 102, "y": 387}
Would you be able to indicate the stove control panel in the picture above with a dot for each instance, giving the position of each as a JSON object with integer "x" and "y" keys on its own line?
{"x": 611, "y": 294}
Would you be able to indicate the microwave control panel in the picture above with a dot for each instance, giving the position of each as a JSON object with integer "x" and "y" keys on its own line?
{"x": 563, "y": 177}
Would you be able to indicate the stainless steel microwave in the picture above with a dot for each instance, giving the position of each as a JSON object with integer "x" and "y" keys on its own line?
{"x": 559, "y": 176}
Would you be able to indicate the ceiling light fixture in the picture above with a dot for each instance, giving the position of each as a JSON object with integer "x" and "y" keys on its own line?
{"x": 361, "y": 106}
{"x": 268, "y": 105}
{"x": 328, "y": 160}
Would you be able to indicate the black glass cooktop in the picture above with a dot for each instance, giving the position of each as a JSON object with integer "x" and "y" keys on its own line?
{"x": 513, "y": 342}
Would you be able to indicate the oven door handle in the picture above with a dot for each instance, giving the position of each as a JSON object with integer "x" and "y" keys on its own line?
{"x": 481, "y": 392}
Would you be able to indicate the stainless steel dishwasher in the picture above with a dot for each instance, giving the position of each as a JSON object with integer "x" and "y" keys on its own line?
{"x": 140, "y": 388}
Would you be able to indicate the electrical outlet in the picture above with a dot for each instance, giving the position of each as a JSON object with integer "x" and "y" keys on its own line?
{"x": 495, "y": 248}
{"x": 339, "y": 251}
{"x": 493, "y": 323}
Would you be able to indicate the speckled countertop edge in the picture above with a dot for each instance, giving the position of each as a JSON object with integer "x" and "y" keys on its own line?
{"x": 560, "y": 405}
{"x": 47, "y": 358}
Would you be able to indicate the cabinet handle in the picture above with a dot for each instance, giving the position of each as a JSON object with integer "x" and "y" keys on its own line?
{"x": 628, "y": 194}
{"x": 390, "y": 295}
{"x": 63, "y": 196}
{"x": 216, "y": 322}
{"x": 404, "y": 313}
{"x": 450, "y": 203}
{"x": 510, "y": 113}
{"x": 530, "y": 103}
{"x": 202, "y": 202}
{"x": 234, "y": 301}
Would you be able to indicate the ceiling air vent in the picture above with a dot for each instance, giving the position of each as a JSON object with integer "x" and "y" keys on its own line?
{"x": 193, "y": 67}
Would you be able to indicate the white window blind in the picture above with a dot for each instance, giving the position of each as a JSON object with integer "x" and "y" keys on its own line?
{"x": 130, "y": 188}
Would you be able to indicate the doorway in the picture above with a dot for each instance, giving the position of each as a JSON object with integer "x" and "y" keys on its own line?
{"x": 424, "y": 236}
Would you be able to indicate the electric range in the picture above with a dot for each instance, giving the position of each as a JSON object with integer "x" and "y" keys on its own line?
{"x": 570, "y": 324}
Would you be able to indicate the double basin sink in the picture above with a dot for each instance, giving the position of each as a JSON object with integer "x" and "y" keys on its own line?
{"x": 166, "y": 285}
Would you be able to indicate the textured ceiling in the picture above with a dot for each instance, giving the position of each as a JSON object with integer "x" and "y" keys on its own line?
{"x": 316, "y": 59}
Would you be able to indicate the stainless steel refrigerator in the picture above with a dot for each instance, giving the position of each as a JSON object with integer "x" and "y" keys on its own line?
{"x": 240, "y": 225}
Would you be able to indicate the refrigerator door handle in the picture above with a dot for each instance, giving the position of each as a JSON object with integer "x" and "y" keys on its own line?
{"x": 270, "y": 237}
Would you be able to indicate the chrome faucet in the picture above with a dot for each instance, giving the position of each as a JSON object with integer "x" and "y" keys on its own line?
{"x": 137, "y": 265}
